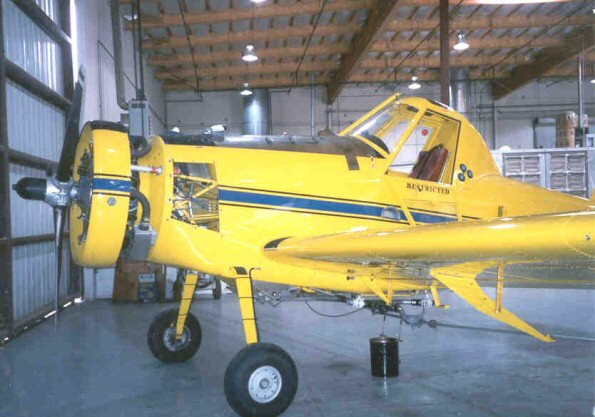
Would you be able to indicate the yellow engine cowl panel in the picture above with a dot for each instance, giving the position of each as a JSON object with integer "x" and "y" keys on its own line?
{"x": 99, "y": 213}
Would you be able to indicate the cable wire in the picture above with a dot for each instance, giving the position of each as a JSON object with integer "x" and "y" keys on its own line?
{"x": 188, "y": 34}
{"x": 316, "y": 20}
{"x": 435, "y": 324}
{"x": 333, "y": 316}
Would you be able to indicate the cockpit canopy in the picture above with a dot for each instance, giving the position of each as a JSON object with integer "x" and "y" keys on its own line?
{"x": 422, "y": 144}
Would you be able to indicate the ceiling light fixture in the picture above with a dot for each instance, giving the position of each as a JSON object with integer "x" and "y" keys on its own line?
{"x": 258, "y": 1}
{"x": 414, "y": 84}
{"x": 246, "y": 90}
{"x": 249, "y": 54}
{"x": 130, "y": 17}
{"x": 462, "y": 43}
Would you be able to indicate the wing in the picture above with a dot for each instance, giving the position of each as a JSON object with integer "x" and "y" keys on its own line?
{"x": 553, "y": 237}
{"x": 455, "y": 254}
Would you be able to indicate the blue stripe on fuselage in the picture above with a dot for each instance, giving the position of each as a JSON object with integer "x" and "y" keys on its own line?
{"x": 106, "y": 184}
{"x": 339, "y": 207}
{"x": 299, "y": 203}
{"x": 431, "y": 218}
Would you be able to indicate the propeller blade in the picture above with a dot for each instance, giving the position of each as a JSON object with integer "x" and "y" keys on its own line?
{"x": 59, "y": 221}
{"x": 56, "y": 192}
{"x": 71, "y": 137}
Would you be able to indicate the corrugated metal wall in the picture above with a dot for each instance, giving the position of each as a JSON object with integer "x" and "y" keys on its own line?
{"x": 35, "y": 132}
{"x": 34, "y": 126}
{"x": 34, "y": 286}
{"x": 32, "y": 49}
{"x": 51, "y": 8}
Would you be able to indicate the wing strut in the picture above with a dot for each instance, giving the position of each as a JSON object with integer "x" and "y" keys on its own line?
{"x": 461, "y": 280}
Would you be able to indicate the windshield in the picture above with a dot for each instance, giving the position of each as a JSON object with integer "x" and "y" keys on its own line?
{"x": 385, "y": 127}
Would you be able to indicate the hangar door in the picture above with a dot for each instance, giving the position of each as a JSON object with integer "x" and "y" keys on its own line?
{"x": 36, "y": 86}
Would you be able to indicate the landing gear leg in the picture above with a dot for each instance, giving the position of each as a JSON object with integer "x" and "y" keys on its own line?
{"x": 217, "y": 290}
{"x": 175, "y": 334}
{"x": 187, "y": 297}
{"x": 261, "y": 380}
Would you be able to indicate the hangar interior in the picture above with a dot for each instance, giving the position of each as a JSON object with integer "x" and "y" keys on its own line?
{"x": 522, "y": 73}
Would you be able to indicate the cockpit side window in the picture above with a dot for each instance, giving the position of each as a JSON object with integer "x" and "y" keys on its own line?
{"x": 407, "y": 157}
{"x": 385, "y": 127}
{"x": 429, "y": 151}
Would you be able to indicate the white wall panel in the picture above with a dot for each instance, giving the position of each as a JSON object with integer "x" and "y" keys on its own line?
{"x": 34, "y": 126}
{"x": 291, "y": 108}
{"x": 518, "y": 134}
{"x": 95, "y": 48}
{"x": 28, "y": 46}
{"x": 34, "y": 277}
{"x": 190, "y": 114}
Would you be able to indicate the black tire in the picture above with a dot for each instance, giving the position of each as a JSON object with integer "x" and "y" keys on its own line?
{"x": 217, "y": 290}
{"x": 162, "y": 334}
{"x": 247, "y": 374}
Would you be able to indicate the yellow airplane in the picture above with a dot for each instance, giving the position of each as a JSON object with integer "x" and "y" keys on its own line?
{"x": 404, "y": 201}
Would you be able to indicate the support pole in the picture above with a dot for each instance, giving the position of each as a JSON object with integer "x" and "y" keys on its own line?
{"x": 444, "y": 54}
{"x": 312, "y": 104}
{"x": 581, "y": 100}
{"x": 500, "y": 287}
{"x": 246, "y": 296}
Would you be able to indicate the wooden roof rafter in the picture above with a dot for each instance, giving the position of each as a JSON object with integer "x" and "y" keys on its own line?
{"x": 376, "y": 23}
{"x": 304, "y": 79}
{"x": 501, "y": 38}
{"x": 579, "y": 41}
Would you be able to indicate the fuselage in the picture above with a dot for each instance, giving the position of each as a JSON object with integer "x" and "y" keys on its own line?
{"x": 253, "y": 196}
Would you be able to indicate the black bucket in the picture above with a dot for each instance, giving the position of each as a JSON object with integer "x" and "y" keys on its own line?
{"x": 384, "y": 356}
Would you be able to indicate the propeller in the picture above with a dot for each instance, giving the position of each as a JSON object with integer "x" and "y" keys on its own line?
{"x": 59, "y": 191}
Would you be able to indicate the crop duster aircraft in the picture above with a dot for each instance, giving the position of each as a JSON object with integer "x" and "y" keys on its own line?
{"x": 404, "y": 201}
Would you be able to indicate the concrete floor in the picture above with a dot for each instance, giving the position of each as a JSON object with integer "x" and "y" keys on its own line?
{"x": 97, "y": 362}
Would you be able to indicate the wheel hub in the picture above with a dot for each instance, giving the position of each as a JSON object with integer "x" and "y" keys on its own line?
{"x": 170, "y": 341}
{"x": 264, "y": 384}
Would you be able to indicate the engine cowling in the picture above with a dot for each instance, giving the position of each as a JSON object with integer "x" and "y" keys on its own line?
{"x": 103, "y": 183}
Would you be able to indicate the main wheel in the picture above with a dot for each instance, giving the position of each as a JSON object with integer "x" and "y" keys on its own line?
{"x": 162, "y": 337}
{"x": 260, "y": 381}
{"x": 217, "y": 290}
